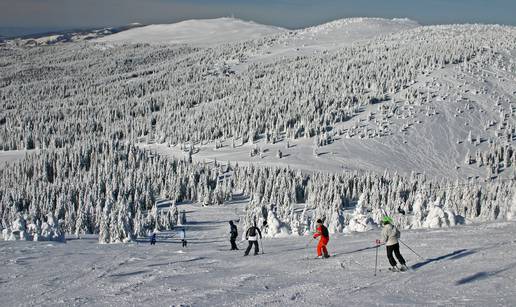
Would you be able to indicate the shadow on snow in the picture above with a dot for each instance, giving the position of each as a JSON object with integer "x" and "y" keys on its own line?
{"x": 453, "y": 255}
{"x": 129, "y": 273}
{"x": 482, "y": 275}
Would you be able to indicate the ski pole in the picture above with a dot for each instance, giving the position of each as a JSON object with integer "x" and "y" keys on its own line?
{"x": 306, "y": 247}
{"x": 376, "y": 258}
{"x": 309, "y": 242}
{"x": 411, "y": 250}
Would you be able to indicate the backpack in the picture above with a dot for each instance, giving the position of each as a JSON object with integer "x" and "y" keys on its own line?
{"x": 324, "y": 231}
{"x": 252, "y": 231}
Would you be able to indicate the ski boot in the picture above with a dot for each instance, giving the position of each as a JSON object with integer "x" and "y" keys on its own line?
{"x": 394, "y": 269}
{"x": 403, "y": 268}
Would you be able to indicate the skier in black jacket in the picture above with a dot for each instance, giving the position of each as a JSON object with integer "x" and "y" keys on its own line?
{"x": 233, "y": 235}
{"x": 252, "y": 237}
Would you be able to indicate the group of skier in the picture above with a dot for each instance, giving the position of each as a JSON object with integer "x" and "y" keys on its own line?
{"x": 182, "y": 236}
{"x": 252, "y": 234}
{"x": 390, "y": 237}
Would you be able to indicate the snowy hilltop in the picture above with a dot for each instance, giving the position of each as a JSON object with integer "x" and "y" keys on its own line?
{"x": 202, "y": 32}
{"x": 339, "y": 32}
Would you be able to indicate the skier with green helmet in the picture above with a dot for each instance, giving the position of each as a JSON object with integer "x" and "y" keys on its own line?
{"x": 390, "y": 235}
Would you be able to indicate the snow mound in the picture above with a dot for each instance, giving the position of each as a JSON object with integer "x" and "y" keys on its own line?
{"x": 29, "y": 229}
{"x": 361, "y": 220}
{"x": 199, "y": 32}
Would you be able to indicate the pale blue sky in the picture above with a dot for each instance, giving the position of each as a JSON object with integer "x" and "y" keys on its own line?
{"x": 65, "y": 14}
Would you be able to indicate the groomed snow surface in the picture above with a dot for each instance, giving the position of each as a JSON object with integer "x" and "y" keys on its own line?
{"x": 472, "y": 265}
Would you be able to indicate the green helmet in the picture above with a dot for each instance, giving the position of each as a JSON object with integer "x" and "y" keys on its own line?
{"x": 386, "y": 220}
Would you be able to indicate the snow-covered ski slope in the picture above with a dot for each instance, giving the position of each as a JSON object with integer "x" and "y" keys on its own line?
{"x": 471, "y": 265}
{"x": 203, "y": 32}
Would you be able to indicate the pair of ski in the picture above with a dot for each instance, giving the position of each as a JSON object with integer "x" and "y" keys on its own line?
{"x": 398, "y": 270}
{"x": 317, "y": 258}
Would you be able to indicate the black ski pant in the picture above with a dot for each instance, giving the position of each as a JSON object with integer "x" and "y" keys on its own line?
{"x": 233, "y": 244}
{"x": 256, "y": 248}
{"x": 184, "y": 243}
{"x": 396, "y": 249}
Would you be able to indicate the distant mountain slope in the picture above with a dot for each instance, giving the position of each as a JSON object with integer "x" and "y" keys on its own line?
{"x": 205, "y": 32}
{"x": 57, "y": 37}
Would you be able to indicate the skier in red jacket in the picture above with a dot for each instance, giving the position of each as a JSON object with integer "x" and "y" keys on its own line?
{"x": 322, "y": 232}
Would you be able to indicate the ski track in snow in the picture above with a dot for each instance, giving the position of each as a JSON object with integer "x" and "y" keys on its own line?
{"x": 11, "y": 156}
{"x": 472, "y": 265}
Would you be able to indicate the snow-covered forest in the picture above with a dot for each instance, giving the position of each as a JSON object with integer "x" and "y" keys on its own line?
{"x": 88, "y": 106}
{"x": 179, "y": 94}
{"x": 111, "y": 189}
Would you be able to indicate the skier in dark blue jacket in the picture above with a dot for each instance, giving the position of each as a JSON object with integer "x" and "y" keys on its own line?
{"x": 233, "y": 234}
